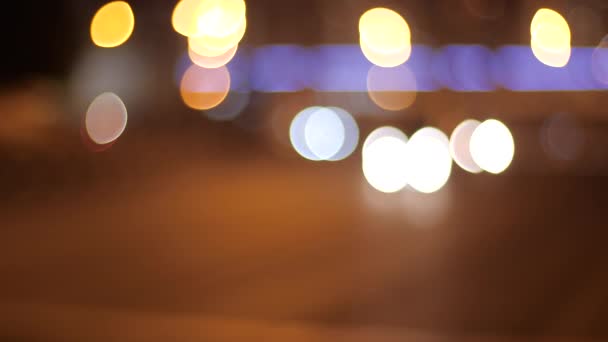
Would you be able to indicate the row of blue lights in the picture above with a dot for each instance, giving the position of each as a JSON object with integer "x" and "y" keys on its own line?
{"x": 460, "y": 68}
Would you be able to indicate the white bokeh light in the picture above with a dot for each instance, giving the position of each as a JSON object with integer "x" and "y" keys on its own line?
{"x": 106, "y": 118}
{"x": 492, "y": 146}
{"x": 459, "y": 146}
{"x": 386, "y": 131}
{"x": 384, "y": 160}
{"x": 324, "y": 133}
{"x": 296, "y": 133}
{"x": 429, "y": 163}
{"x": 351, "y": 134}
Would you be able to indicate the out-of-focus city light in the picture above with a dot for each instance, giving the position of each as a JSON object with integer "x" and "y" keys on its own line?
{"x": 324, "y": 133}
{"x": 384, "y": 161}
{"x": 385, "y": 37}
{"x": 212, "y": 62}
{"x": 386, "y": 60}
{"x": 562, "y": 137}
{"x": 297, "y": 133}
{"x": 391, "y": 89}
{"x": 492, "y": 146}
{"x": 185, "y": 18}
{"x": 203, "y": 88}
{"x": 429, "y": 163}
{"x": 113, "y": 24}
{"x": 550, "y": 38}
{"x": 385, "y": 131}
{"x": 599, "y": 61}
{"x": 220, "y": 18}
{"x": 211, "y": 46}
{"x": 106, "y": 119}
{"x": 460, "y": 146}
{"x": 351, "y": 134}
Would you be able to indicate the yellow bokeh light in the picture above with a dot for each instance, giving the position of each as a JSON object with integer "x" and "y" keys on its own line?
{"x": 384, "y": 30}
{"x": 184, "y": 18}
{"x": 213, "y": 18}
{"x": 385, "y": 60}
{"x": 203, "y": 88}
{"x": 220, "y": 18}
{"x": 113, "y": 24}
{"x": 550, "y": 38}
{"x": 212, "y": 62}
{"x": 391, "y": 89}
{"x": 212, "y": 46}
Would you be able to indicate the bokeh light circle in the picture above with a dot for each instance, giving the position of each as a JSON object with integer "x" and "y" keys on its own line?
{"x": 351, "y": 134}
{"x": 297, "y": 133}
{"x": 106, "y": 119}
{"x": 460, "y": 145}
{"x": 550, "y": 38}
{"x": 385, "y": 163}
{"x": 391, "y": 89}
{"x": 384, "y": 30}
{"x": 429, "y": 163}
{"x": 492, "y": 146}
{"x": 112, "y": 25}
{"x": 184, "y": 18}
{"x": 220, "y": 18}
{"x": 203, "y": 88}
{"x": 386, "y": 60}
{"x": 212, "y": 62}
{"x": 211, "y": 46}
{"x": 324, "y": 133}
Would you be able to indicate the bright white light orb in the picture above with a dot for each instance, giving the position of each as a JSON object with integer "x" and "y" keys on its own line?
{"x": 492, "y": 146}
{"x": 324, "y": 133}
{"x": 429, "y": 160}
{"x": 384, "y": 161}
{"x": 106, "y": 118}
{"x": 296, "y": 133}
{"x": 386, "y": 131}
{"x": 459, "y": 146}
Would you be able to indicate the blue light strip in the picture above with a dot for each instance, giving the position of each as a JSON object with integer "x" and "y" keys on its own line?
{"x": 460, "y": 68}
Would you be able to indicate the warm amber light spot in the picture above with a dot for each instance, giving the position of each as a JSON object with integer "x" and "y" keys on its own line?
{"x": 203, "y": 88}
{"x": 184, "y": 18}
{"x": 550, "y": 38}
{"x": 112, "y": 25}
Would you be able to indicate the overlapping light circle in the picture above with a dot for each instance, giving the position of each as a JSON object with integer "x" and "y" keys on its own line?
{"x": 385, "y": 37}
{"x": 384, "y": 159}
{"x": 429, "y": 163}
{"x": 550, "y": 38}
{"x": 324, "y": 133}
{"x": 460, "y": 145}
{"x": 113, "y": 24}
{"x": 492, "y": 146}
{"x": 214, "y": 29}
